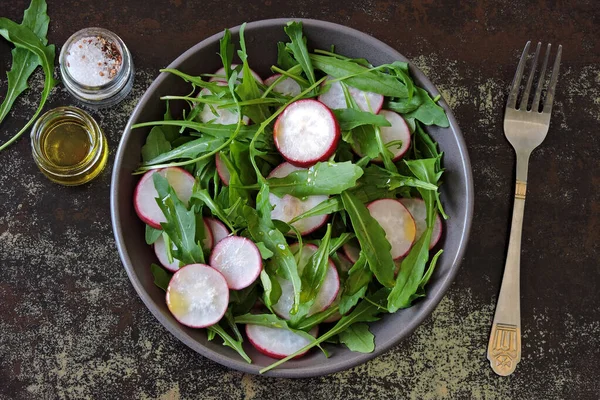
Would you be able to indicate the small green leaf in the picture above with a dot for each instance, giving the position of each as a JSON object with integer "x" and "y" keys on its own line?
{"x": 299, "y": 50}
{"x": 161, "y": 277}
{"x": 156, "y": 144}
{"x": 229, "y": 341}
{"x": 264, "y": 252}
{"x": 357, "y": 337}
{"x": 152, "y": 234}
{"x": 350, "y": 118}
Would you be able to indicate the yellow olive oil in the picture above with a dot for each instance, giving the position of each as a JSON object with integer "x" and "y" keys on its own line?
{"x": 66, "y": 143}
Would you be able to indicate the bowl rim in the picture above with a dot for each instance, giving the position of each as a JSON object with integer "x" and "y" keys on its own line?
{"x": 331, "y": 366}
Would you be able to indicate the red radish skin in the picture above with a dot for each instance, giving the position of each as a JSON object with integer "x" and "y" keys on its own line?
{"x": 144, "y": 197}
{"x": 416, "y": 207}
{"x": 327, "y": 293}
{"x": 197, "y": 295}
{"x": 334, "y": 97}
{"x": 286, "y": 87}
{"x": 306, "y": 132}
{"x": 218, "y": 229}
{"x": 277, "y": 342}
{"x": 161, "y": 250}
{"x": 238, "y": 259}
{"x": 221, "y": 76}
{"x": 224, "y": 116}
{"x": 398, "y": 224}
{"x": 208, "y": 241}
{"x": 288, "y": 207}
{"x": 222, "y": 170}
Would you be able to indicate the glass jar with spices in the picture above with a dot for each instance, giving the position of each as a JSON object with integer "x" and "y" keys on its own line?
{"x": 96, "y": 67}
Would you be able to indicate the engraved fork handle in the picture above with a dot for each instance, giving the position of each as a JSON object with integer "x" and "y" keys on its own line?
{"x": 504, "y": 347}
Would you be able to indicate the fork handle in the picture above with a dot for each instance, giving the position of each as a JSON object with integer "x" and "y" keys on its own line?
{"x": 504, "y": 347}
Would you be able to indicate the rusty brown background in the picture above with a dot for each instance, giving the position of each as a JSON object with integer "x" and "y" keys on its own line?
{"x": 71, "y": 325}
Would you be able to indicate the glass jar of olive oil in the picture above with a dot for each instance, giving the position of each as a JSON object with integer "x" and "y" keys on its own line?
{"x": 68, "y": 146}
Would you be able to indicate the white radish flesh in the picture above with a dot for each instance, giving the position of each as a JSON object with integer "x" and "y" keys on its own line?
{"x": 398, "y": 224}
{"x": 418, "y": 210}
{"x": 289, "y": 207}
{"x": 398, "y": 131}
{"x": 222, "y": 77}
{"x": 277, "y": 342}
{"x": 217, "y": 228}
{"x": 197, "y": 295}
{"x": 238, "y": 259}
{"x": 344, "y": 266}
{"x": 306, "y": 132}
{"x": 326, "y": 295}
{"x": 144, "y": 197}
{"x": 334, "y": 97}
{"x": 286, "y": 87}
{"x": 352, "y": 250}
{"x": 212, "y": 113}
{"x": 222, "y": 170}
{"x": 160, "y": 249}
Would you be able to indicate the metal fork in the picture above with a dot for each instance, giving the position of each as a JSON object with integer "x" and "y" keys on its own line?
{"x": 525, "y": 129}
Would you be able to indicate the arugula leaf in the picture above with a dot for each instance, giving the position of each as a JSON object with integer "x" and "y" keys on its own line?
{"x": 262, "y": 229}
{"x": 366, "y": 311}
{"x": 25, "y": 62}
{"x": 229, "y": 341}
{"x": 382, "y": 178}
{"x": 323, "y": 178}
{"x": 357, "y": 337}
{"x": 161, "y": 277}
{"x": 205, "y": 198}
{"x": 264, "y": 252}
{"x": 189, "y": 150}
{"x": 152, "y": 234}
{"x": 357, "y": 76}
{"x": 23, "y": 37}
{"x": 428, "y": 111}
{"x": 242, "y": 301}
{"x": 181, "y": 223}
{"x": 359, "y": 276}
{"x": 298, "y": 48}
{"x": 349, "y": 301}
{"x": 271, "y": 288}
{"x": 226, "y": 52}
{"x": 156, "y": 144}
{"x": 372, "y": 239}
{"x": 314, "y": 272}
{"x": 350, "y": 118}
{"x": 284, "y": 59}
{"x": 338, "y": 242}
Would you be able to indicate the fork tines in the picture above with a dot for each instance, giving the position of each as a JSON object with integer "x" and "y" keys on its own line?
{"x": 541, "y": 81}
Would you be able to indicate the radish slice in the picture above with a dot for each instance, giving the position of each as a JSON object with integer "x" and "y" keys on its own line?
{"x": 352, "y": 250}
{"x": 197, "y": 295}
{"x": 398, "y": 224}
{"x": 222, "y": 170}
{"x": 215, "y": 115}
{"x": 238, "y": 259}
{"x": 160, "y": 249}
{"x": 289, "y": 207}
{"x": 218, "y": 230}
{"x": 306, "y": 132}
{"x": 221, "y": 78}
{"x": 144, "y": 197}
{"x": 343, "y": 266}
{"x": 286, "y": 87}
{"x": 334, "y": 97}
{"x": 277, "y": 342}
{"x": 398, "y": 131}
{"x": 327, "y": 293}
{"x": 417, "y": 209}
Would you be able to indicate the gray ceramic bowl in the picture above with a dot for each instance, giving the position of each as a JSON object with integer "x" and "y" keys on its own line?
{"x": 261, "y": 39}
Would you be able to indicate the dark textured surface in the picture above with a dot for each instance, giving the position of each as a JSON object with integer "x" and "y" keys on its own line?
{"x": 72, "y": 326}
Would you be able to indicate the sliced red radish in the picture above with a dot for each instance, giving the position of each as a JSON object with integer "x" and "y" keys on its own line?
{"x": 277, "y": 342}
{"x": 343, "y": 265}
{"x": 398, "y": 131}
{"x": 289, "y": 207}
{"x": 334, "y": 97}
{"x": 212, "y": 113}
{"x": 222, "y": 170}
{"x": 144, "y": 197}
{"x": 286, "y": 87}
{"x": 160, "y": 249}
{"x": 398, "y": 224}
{"x": 221, "y": 76}
{"x": 197, "y": 295}
{"x": 306, "y": 132}
{"x": 327, "y": 293}
{"x": 352, "y": 250}
{"x": 217, "y": 228}
{"x": 418, "y": 210}
{"x": 238, "y": 259}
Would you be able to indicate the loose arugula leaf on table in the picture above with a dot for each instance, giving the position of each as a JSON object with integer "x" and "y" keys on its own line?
{"x": 23, "y": 37}
{"x": 357, "y": 337}
{"x": 298, "y": 48}
{"x": 372, "y": 239}
{"x": 181, "y": 223}
{"x": 161, "y": 277}
{"x": 323, "y": 178}
{"x": 366, "y": 311}
{"x": 24, "y": 62}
